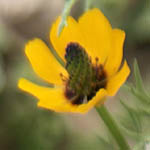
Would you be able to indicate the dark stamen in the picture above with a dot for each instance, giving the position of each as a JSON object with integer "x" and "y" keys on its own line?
{"x": 64, "y": 79}
{"x": 85, "y": 78}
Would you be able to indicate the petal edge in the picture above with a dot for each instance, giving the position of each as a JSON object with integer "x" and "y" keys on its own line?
{"x": 43, "y": 61}
{"x": 118, "y": 79}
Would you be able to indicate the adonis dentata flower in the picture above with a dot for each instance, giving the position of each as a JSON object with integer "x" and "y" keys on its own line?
{"x": 92, "y": 52}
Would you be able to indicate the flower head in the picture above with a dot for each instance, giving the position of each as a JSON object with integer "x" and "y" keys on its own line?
{"x": 92, "y": 52}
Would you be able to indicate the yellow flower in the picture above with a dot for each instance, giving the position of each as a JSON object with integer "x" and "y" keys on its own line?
{"x": 92, "y": 52}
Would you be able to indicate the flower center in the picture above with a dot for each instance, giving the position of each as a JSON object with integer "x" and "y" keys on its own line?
{"x": 85, "y": 78}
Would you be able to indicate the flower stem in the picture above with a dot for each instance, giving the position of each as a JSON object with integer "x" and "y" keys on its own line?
{"x": 112, "y": 127}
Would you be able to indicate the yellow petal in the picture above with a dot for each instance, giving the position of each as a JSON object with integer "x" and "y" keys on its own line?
{"x": 43, "y": 62}
{"x": 53, "y": 96}
{"x": 70, "y": 33}
{"x": 93, "y": 32}
{"x": 65, "y": 106}
{"x": 116, "y": 53}
{"x": 115, "y": 82}
{"x": 54, "y": 99}
{"x": 97, "y": 33}
{"x": 98, "y": 99}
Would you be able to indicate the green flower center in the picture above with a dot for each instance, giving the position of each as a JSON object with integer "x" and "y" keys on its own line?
{"x": 85, "y": 78}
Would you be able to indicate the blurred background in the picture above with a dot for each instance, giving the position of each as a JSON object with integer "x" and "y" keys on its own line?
{"x": 23, "y": 126}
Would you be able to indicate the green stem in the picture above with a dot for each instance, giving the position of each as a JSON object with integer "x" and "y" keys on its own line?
{"x": 112, "y": 127}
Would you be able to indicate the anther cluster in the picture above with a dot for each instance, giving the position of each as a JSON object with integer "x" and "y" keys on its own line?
{"x": 85, "y": 78}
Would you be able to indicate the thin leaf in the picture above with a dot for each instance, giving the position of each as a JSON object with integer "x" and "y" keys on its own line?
{"x": 134, "y": 116}
{"x": 141, "y": 96}
{"x": 65, "y": 13}
{"x": 126, "y": 87}
{"x": 59, "y": 59}
{"x": 88, "y": 4}
{"x": 2, "y": 75}
{"x": 105, "y": 144}
{"x": 145, "y": 111}
{"x": 140, "y": 146}
{"x": 132, "y": 134}
{"x": 138, "y": 80}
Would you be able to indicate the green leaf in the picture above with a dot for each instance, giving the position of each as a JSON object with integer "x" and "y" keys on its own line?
{"x": 139, "y": 146}
{"x": 132, "y": 134}
{"x": 134, "y": 115}
{"x": 138, "y": 80}
{"x": 105, "y": 145}
{"x": 141, "y": 96}
{"x": 2, "y": 75}
{"x": 65, "y": 13}
{"x": 145, "y": 111}
{"x": 58, "y": 58}
{"x": 88, "y": 4}
{"x": 126, "y": 87}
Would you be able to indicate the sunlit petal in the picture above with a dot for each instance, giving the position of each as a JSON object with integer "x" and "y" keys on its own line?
{"x": 118, "y": 79}
{"x": 43, "y": 62}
